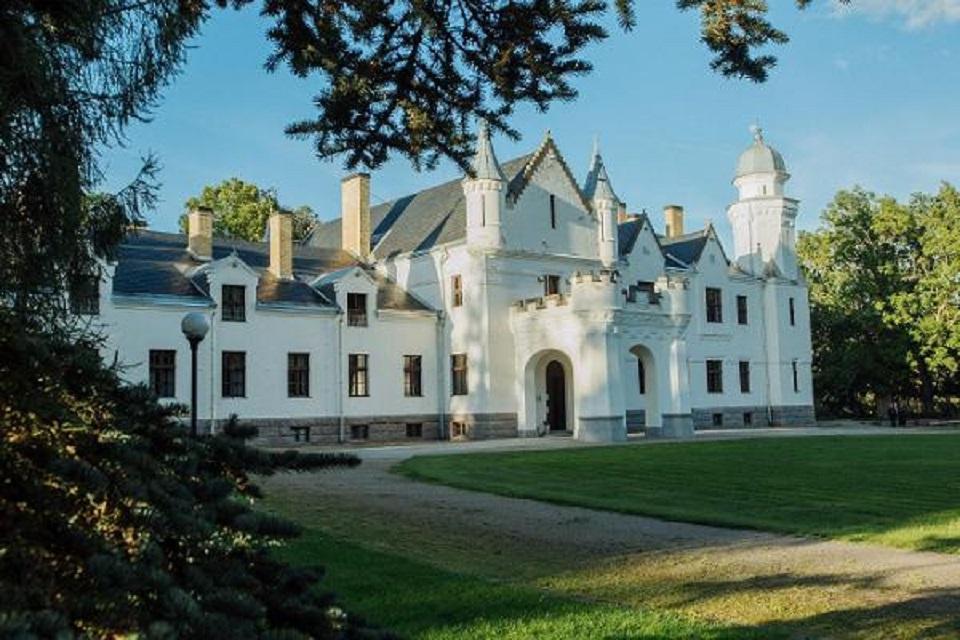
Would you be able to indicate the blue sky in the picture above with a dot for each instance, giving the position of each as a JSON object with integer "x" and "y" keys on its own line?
{"x": 869, "y": 96}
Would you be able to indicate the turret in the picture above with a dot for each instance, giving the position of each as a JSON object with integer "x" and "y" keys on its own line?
{"x": 485, "y": 193}
{"x": 605, "y": 205}
{"x": 763, "y": 218}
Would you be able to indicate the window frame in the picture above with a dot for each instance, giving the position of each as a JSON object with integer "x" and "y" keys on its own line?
{"x": 743, "y": 310}
{"x": 641, "y": 377}
{"x": 356, "y": 315}
{"x": 358, "y": 375}
{"x": 551, "y": 284}
{"x": 456, "y": 290}
{"x": 298, "y": 375}
{"x": 713, "y": 299}
{"x": 168, "y": 369}
{"x": 459, "y": 371}
{"x": 232, "y": 310}
{"x": 714, "y": 376}
{"x": 413, "y": 376}
{"x": 744, "y": 371}
{"x": 228, "y": 384}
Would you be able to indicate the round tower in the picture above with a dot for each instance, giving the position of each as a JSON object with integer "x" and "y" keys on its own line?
{"x": 484, "y": 193}
{"x": 763, "y": 217}
{"x": 606, "y": 204}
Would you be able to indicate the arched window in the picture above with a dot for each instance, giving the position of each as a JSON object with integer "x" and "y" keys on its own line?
{"x": 641, "y": 376}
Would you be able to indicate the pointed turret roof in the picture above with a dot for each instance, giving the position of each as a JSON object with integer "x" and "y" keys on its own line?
{"x": 598, "y": 185}
{"x": 485, "y": 165}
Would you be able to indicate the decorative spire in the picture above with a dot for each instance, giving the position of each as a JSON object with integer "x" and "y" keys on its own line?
{"x": 598, "y": 184}
{"x": 485, "y": 165}
{"x": 757, "y": 132}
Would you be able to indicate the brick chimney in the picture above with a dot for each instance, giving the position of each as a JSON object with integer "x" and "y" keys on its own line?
{"x": 355, "y": 214}
{"x": 674, "y": 220}
{"x": 281, "y": 244}
{"x": 622, "y": 212}
{"x": 200, "y": 233}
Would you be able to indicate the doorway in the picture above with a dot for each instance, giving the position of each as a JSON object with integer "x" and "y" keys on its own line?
{"x": 556, "y": 387}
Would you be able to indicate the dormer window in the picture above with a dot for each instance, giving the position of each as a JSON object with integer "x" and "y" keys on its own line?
{"x": 233, "y": 299}
{"x": 357, "y": 309}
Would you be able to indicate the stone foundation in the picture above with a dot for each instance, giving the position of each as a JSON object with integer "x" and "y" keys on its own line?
{"x": 736, "y": 417}
{"x": 602, "y": 429}
{"x": 481, "y": 426}
{"x": 675, "y": 425}
{"x": 277, "y": 432}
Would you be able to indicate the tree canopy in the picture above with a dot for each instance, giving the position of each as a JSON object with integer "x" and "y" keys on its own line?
{"x": 241, "y": 209}
{"x": 884, "y": 279}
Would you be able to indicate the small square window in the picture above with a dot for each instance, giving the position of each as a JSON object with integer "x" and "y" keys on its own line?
{"x": 414, "y": 430}
{"x": 458, "y": 430}
{"x": 551, "y": 285}
{"x": 359, "y": 431}
{"x": 717, "y": 419}
{"x": 301, "y": 434}
{"x": 747, "y": 419}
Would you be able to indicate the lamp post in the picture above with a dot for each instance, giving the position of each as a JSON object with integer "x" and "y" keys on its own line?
{"x": 194, "y": 326}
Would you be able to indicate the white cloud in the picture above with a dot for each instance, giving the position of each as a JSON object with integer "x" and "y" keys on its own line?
{"x": 915, "y": 14}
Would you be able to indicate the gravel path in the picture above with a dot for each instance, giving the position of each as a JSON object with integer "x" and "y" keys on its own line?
{"x": 734, "y": 575}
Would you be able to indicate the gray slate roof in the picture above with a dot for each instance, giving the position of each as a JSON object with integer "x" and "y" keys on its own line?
{"x": 153, "y": 263}
{"x": 416, "y": 222}
{"x": 685, "y": 248}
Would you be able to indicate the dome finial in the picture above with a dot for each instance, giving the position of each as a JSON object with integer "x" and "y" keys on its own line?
{"x": 757, "y": 131}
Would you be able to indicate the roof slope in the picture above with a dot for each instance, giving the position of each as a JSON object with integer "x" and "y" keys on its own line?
{"x": 415, "y": 222}
{"x": 158, "y": 264}
{"x": 685, "y": 248}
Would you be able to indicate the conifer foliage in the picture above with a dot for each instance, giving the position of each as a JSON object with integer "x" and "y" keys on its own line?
{"x": 113, "y": 520}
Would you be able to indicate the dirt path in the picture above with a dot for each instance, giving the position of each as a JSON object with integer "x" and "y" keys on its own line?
{"x": 741, "y": 577}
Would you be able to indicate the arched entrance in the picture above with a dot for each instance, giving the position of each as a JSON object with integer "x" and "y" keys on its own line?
{"x": 642, "y": 392}
{"x": 548, "y": 394}
{"x": 556, "y": 392}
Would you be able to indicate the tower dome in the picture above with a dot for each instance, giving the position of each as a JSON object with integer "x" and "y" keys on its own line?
{"x": 760, "y": 157}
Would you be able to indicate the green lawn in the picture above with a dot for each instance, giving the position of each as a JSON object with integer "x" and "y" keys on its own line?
{"x": 897, "y": 490}
{"x": 423, "y": 602}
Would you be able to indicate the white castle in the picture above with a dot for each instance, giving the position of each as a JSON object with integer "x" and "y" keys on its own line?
{"x": 518, "y": 301}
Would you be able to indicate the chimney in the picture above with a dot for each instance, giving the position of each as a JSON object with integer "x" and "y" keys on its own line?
{"x": 355, "y": 214}
{"x": 622, "y": 213}
{"x": 200, "y": 233}
{"x": 281, "y": 244}
{"x": 674, "y": 219}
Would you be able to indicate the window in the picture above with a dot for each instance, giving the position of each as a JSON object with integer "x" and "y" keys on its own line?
{"x": 163, "y": 372}
{"x": 714, "y": 376}
{"x": 359, "y": 431}
{"x": 744, "y": 376}
{"x": 233, "y": 299}
{"x": 359, "y": 375}
{"x": 793, "y": 313}
{"x": 747, "y": 419}
{"x": 796, "y": 378}
{"x": 456, "y": 288}
{"x": 301, "y": 433}
{"x": 641, "y": 376}
{"x": 458, "y": 373}
{"x": 714, "y": 305}
{"x": 458, "y": 430}
{"x": 414, "y": 430}
{"x": 717, "y": 419}
{"x": 298, "y": 375}
{"x": 553, "y": 211}
{"x": 85, "y": 296}
{"x": 741, "y": 309}
{"x": 356, "y": 309}
{"x": 412, "y": 376}
{"x": 234, "y": 374}
{"x": 551, "y": 285}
